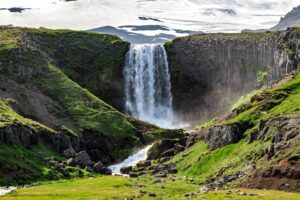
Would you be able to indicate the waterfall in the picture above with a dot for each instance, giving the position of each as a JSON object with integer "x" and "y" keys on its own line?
{"x": 147, "y": 84}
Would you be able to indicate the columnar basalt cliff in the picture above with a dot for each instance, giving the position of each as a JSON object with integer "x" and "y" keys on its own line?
{"x": 211, "y": 71}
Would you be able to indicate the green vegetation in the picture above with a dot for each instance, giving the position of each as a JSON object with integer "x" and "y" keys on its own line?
{"x": 260, "y": 105}
{"x": 246, "y": 98}
{"x": 290, "y": 52}
{"x": 110, "y": 187}
{"x": 9, "y": 117}
{"x": 92, "y": 60}
{"x": 20, "y": 165}
{"x": 8, "y": 40}
{"x": 283, "y": 100}
{"x": 261, "y": 78}
{"x": 87, "y": 111}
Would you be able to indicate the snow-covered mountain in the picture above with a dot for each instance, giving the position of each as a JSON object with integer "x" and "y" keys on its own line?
{"x": 179, "y": 16}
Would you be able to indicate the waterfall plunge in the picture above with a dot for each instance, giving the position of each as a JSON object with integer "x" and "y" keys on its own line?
{"x": 147, "y": 84}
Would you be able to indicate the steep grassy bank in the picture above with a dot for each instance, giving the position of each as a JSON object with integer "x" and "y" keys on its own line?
{"x": 266, "y": 153}
{"x": 24, "y": 156}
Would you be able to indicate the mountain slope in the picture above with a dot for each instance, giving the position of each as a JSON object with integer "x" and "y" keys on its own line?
{"x": 35, "y": 67}
{"x": 289, "y": 20}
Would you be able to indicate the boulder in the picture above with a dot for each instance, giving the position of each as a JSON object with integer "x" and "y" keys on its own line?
{"x": 168, "y": 153}
{"x": 159, "y": 147}
{"x": 83, "y": 159}
{"x": 69, "y": 152}
{"x": 164, "y": 159}
{"x": 219, "y": 136}
{"x": 144, "y": 163}
{"x": 292, "y": 135}
{"x": 178, "y": 148}
{"x": 98, "y": 167}
{"x": 126, "y": 170}
{"x": 106, "y": 171}
{"x": 89, "y": 169}
{"x": 72, "y": 162}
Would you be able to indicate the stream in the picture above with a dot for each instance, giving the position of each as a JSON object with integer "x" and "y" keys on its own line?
{"x": 131, "y": 160}
{"x": 5, "y": 190}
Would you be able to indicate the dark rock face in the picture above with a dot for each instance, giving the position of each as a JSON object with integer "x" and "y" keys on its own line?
{"x": 209, "y": 72}
{"x": 220, "y": 136}
{"x": 83, "y": 159}
{"x": 126, "y": 170}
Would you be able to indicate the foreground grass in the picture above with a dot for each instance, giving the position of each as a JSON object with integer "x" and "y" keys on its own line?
{"x": 113, "y": 187}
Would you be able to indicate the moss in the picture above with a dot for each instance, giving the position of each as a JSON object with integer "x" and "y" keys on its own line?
{"x": 290, "y": 52}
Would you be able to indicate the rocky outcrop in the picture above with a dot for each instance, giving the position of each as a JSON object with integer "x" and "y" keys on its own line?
{"x": 209, "y": 72}
{"x": 166, "y": 148}
{"x": 220, "y": 136}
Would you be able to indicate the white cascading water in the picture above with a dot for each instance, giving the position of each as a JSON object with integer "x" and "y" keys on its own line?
{"x": 131, "y": 160}
{"x": 147, "y": 84}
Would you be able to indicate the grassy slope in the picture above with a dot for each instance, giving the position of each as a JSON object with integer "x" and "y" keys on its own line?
{"x": 110, "y": 187}
{"x": 201, "y": 163}
{"x": 92, "y": 60}
{"x": 22, "y": 165}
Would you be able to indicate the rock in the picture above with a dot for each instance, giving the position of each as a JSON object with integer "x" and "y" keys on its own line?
{"x": 168, "y": 153}
{"x": 271, "y": 151}
{"x": 133, "y": 175}
{"x": 126, "y": 170}
{"x": 277, "y": 137}
{"x": 98, "y": 167}
{"x": 178, "y": 148}
{"x": 160, "y": 147}
{"x": 144, "y": 163}
{"x": 89, "y": 169}
{"x": 83, "y": 159}
{"x": 106, "y": 171}
{"x": 161, "y": 175}
{"x": 253, "y": 135}
{"x": 69, "y": 152}
{"x": 72, "y": 162}
{"x": 292, "y": 135}
{"x": 164, "y": 159}
{"x": 220, "y": 136}
{"x": 242, "y": 193}
{"x": 152, "y": 195}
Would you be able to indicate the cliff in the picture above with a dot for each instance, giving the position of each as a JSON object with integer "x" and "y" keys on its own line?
{"x": 209, "y": 72}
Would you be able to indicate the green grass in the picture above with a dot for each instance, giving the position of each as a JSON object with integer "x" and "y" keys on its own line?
{"x": 87, "y": 110}
{"x": 246, "y": 98}
{"x": 283, "y": 100}
{"x": 109, "y": 187}
{"x": 10, "y": 117}
{"x": 197, "y": 161}
{"x": 20, "y": 165}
